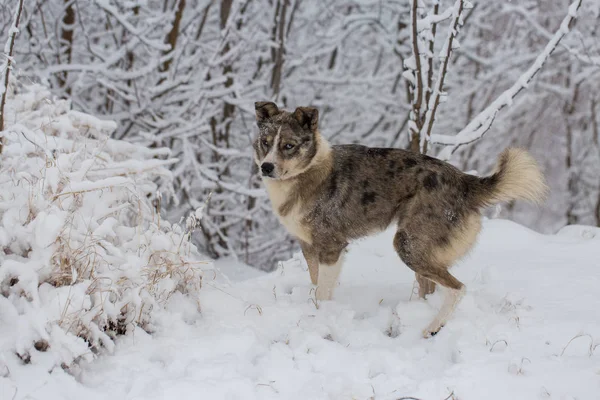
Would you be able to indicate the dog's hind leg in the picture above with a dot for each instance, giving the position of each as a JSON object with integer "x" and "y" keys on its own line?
{"x": 312, "y": 259}
{"x": 430, "y": 250}
{"x": 454, "y": 291}
{"x": 456, "y": 244}
{"x": 426, "y": 286}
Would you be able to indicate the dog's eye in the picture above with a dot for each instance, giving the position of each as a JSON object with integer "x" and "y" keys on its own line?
{"x": 265, "y": 142}
{"x": 288, "y": 146}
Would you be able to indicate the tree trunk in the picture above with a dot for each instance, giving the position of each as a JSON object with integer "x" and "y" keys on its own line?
{"x": 278, "y": 62}
{"x": 66, "y": 39}
{"x": 173, "y": 35}
{"x": 572, "y": 184}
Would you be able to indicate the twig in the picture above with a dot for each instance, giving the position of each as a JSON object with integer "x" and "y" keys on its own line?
{"x": 449, "y": 397}
{"x": 56, "y": 196}
{"x": 436, "y": 9}
{"x": 8, "y": 50}
{"x": 254, "y": 306}
{"x": 496, "y": 342}
{"x": 591, "y": 348}
{"x": 268, "y": 385}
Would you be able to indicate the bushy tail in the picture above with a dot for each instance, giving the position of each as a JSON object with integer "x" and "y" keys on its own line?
{"x": 517, "y": 177}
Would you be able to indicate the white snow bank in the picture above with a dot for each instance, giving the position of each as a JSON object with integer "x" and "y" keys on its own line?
{"x": 83, "y": 254}
{"x": 580, "y": 231}
{"x": 526, "y": 329}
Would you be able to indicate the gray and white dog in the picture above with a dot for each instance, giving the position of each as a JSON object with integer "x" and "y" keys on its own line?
{"x": 327, "y": 196}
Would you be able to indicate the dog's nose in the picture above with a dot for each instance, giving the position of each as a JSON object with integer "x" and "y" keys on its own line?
{"x": 267, "y": 168}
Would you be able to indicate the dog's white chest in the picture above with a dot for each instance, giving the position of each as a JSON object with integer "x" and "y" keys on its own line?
{"x": 292, "y": 221}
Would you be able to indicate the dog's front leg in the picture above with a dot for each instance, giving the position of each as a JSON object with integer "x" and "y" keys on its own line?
{"x": 330, "y": 265}
{"x": 312, "y": 259}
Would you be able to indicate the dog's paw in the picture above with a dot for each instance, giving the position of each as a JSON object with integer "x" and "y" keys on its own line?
{"x": 432, "y": 330}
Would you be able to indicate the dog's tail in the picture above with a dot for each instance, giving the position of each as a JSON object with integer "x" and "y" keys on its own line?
{"x": 517, "y": 176}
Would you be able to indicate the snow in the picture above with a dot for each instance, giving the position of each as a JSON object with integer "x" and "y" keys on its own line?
{"x": 526, "y": 329}
{"x": 410, "y": 63}
{"x": 426, "y": 23}
{"x": 90, "y": 122}
{"x": 88, "y": 186}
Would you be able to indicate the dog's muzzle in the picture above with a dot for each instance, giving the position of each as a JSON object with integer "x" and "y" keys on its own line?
{"x": 267, "y": 169}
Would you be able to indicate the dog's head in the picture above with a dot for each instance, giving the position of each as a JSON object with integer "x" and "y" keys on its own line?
{"x": 287, "y": 142}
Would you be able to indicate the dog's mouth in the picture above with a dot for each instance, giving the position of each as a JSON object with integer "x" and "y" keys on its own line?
{"x": 272, "y": 175}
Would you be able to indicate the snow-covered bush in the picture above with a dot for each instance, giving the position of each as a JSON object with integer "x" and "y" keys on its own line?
{"x": 84, "y": 254}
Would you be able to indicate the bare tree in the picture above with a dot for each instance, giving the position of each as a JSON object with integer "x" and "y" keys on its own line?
{"x": 425, "y": 98}
{"x": 279, "y": 33}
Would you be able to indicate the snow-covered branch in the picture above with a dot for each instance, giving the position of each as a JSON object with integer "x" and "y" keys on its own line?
{"x": 434, "y": 18}
{"x": 483, "y": 121}
{"x": 8, "y": 53}
{"x": 414, "y": 64}
{"x": 142, "y": 36}
{"x": 520, "y": 10}
{"x": 447, "y": 49}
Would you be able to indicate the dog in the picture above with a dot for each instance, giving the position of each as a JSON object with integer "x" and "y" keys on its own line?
{"x": 326, "y": 196}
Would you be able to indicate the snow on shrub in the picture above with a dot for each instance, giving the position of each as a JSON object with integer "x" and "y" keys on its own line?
{"x": 85, "y": 255}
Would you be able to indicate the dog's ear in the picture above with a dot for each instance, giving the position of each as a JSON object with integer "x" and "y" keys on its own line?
{"x": 265, "y": 110}
{"x": 307, "y": 117}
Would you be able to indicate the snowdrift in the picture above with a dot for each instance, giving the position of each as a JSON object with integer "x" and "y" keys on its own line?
{"x": 85, "y": 256}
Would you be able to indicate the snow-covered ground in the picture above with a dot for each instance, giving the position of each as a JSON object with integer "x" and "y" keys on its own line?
{"x": 527, "y": 329}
